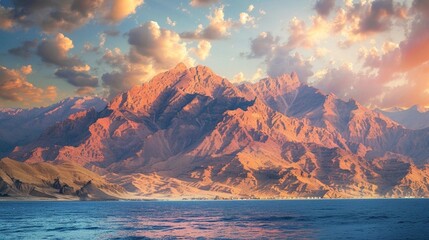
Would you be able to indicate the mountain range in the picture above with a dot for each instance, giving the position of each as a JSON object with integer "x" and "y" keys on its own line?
{"x": 191, "y": 133}
{"x": 415, "y": 117}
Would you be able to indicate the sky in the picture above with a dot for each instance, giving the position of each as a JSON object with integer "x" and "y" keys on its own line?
{"x": 376, "y": 52}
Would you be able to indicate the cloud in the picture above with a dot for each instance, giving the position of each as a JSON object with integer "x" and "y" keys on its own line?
{"x": 55, "y": 51}
{"x": 421, "y": 6}
{"x": 378, "y": 17}
{"x": 250, "y": 8}
{"x": 152, "y": 50}
{"x": 77, "y": 77}
{"x": 338, "y": 80}
{"x": 321, "y": 52}
{"x": 262, "y": 45}
{"x": 203, "y": 49}
{"x": 14, "y": 87}
{"x": 278, "y": 57}
{"x": 153, "y": 45}
{"x": 85, "y": 91}
{"x": 414, "y": 91}
{"x": 302, "y": 36}
{"x": 6, "y": 21}
{"x": 219, "y": 27}
{"x": 125, "y": 74}
{"x": 88, "y": 47}
{"x": 245, "y": 18}
{"x": 25, "y": 50}
{"x": 26, "y": 70}
{"x": 171, "y": 22}
{"x": 202, "y": 3}
{"x": 71, "y": 68}
{"x": 324, "y": 7}
{"x": 283, "y": 62}
{"x": 415, "y": 49}
{"x": 358, "y": 21}
{"x": 239, "y": 77}
{"x": 396, "y": 73}
{"x": 119, "y": 9}
{"x": 54, "y": 16}
{"x": 257, "y": 75}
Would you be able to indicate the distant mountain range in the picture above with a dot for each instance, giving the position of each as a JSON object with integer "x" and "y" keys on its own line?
{"x": 22, "y": 126}
{"x": 415, "y": 117}
{"x": 191, "y": 133}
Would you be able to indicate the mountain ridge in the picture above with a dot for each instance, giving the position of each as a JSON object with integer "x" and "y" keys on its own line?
{"x": 274, "y": 138}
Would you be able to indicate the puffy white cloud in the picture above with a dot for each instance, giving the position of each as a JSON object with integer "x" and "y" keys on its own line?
{"x": 239, "y": 77}
{"x": 218, "y": 27}
{"x": 245, "y": 18}
{"x": 153, "y": 45}
{"x": 203, "y": 49}
{"x": 250, "y": 8}
{"x": 14, "y": 87}
{"x": 302, "y": 36}
{"x": 257, "y": 75}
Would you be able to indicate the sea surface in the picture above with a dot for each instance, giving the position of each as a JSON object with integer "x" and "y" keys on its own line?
{"x": 290, "y": 219}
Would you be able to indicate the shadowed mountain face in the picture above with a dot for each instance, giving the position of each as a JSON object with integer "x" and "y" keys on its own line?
{"x": 189, "y": 132}
{"x": 20, "y": 126}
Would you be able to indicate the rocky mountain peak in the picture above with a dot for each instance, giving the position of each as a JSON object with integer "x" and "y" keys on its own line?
{"x": 283, "y": 83}
{"x": 181, "y": 67}
{"x": 277, "y": 137}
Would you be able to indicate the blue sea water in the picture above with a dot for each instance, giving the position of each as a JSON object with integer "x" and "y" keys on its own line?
{"x": 297, "y": 219}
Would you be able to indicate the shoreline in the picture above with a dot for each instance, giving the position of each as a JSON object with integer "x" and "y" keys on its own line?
{"x": 20, "y": 199}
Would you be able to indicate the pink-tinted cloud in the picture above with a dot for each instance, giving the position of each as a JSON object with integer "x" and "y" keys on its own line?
{"x": 54, "y": 16}
{"x": 203, "y": 49}
{"x": 279, "y": 58}
{"x": 284, "y": 62}
{"x": 14, "y": 87}
{"x": 202, "y": 3}
{"x": 262, "y": 45}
